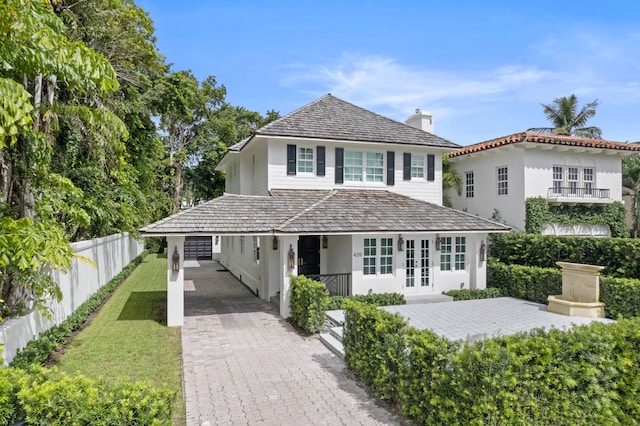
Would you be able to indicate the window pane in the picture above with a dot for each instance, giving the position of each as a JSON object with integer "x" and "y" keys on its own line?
{"x": 305, "y": 160}
{"x": 369, "y": 258}
{"x": 386, "y": 256}
{"x": 353, "y": 166}
{"x": 445, "y": 253}
{"x": 469, "y": 180}
{"x": 417, "y": 166}
{"x": 375, "y": 167}
{"x": 558, "y": 179}
{"x": 503, "y": 188}
{"x": 461, "y": 250}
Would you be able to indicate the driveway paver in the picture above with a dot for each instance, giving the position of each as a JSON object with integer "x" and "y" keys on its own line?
{"x": 244, "y": 365}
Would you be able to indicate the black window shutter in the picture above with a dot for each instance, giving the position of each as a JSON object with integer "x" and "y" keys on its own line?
{"x": 406, "y": 170}
{"x": 339, "y": 165}
{"x": 291, "y": 159}
{"x": 431, "y": 167}
{"x": 320, "y": 160}
{"x": 391, "y": 168}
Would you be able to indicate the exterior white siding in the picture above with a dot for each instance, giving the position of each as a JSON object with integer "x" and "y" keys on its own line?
{"x": 241, "y": 262}
{"x": 419, "y": 188}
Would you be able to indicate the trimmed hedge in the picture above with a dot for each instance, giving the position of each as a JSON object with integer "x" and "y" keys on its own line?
{"x": 37, "y": 351}
{"x": 309, "y": 300}
{"x": 376, "y": 299}
{"x": 47, "y": 397}
{"x": 621, "y": 296}
{"x": 619, "y": 256}
{"x": 539, "y": 212}
{"x": 588, "y": 375}
{"x": 474, "y": 293}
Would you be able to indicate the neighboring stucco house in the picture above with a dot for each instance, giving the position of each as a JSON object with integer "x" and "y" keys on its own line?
{"x": 500, "y": 174}
{"x": 343, "y": 195}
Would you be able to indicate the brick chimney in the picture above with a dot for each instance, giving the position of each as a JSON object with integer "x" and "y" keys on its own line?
{"x": 422, "y": 120}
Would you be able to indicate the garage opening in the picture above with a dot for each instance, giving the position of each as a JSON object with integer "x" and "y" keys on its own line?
{"x": 198, "y": 248}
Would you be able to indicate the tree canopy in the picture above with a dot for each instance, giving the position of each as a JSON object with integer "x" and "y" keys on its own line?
{"x": 567, "y": 120}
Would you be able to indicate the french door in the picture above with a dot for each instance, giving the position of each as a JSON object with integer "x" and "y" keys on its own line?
{"x": 417, "y": 265}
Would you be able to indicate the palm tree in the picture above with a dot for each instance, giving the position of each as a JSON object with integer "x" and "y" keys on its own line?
{"x": 566, "y": 119}
{"x": 631, "y": 188}
{"x": 450, "y": 180}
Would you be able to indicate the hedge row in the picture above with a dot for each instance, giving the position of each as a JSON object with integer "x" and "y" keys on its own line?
{"x": 43, "y": 396}
{"x": 376, "y": 299}
{"x": 474, "y": 293}
{"x": 309, "y": 299}
{"x": 619, "y": 256}
{"x": 38, "y": 350}
{"x": 588, "y": 375}
{"x": 621, "y": 296}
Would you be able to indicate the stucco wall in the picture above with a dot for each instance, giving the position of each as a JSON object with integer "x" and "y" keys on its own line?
{"x": 110, "y": 255}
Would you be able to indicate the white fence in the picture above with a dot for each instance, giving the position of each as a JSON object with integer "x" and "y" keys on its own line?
{"x": 110, "y": 255}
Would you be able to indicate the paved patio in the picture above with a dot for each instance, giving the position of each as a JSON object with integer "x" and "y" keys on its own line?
{"x": 244, "y": 365}
{"x": 477, "y": 319}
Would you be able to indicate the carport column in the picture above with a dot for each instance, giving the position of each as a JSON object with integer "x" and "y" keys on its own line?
{"x": 287, "y": 243}
{"x": 175, "y": 283}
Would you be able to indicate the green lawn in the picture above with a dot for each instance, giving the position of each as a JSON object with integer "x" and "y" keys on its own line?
{"x": 129, "y": 337}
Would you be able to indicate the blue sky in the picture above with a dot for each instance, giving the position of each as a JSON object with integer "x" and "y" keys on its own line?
{"x": 482, "y": 68}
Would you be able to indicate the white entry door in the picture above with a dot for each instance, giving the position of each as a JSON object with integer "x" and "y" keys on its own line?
{"x": 417, "y": 265}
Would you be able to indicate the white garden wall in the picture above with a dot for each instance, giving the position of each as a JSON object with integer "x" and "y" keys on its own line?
{"x": 109, "y": 254}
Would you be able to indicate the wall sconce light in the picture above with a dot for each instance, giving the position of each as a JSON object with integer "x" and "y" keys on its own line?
{"x": 325, "y": 242}
{"x": 438, "y": 242}
{"x": 483, "y": 250}
{"x": 400, "y": 243}
{"x": 175, "y": 267}
{"x": 292, "y": 255}
{"x": 274, "y": 243}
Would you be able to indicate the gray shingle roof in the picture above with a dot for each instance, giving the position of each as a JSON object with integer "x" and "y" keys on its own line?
{"x": 319, "y": 212}
{"x": 331, "y": 118}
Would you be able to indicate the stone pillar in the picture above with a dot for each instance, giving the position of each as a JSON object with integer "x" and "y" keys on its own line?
{"x": 175, "y": 282}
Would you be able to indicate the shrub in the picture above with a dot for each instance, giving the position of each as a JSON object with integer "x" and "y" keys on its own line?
{"x": 43, "y": 396}
{"x": 309, "y": 299}
{"x": 621, "y": 296}
{"x": 619, "y": 256}
{"x": 587, "y": 375}
{"x": 37, "y": 351}
{"x": 472, "y": 293}
{"x": 374, "y": 347}
{"x": 539, "y": 212}
{"x": 376, "y": 299}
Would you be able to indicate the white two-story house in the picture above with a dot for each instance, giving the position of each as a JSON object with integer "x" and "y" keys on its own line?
{"x": 343, "y": 195}
{"x": 499, "y": 175}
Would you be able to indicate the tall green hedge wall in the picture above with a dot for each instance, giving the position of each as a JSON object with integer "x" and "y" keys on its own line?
{"x": 619, "y": 256}
{"x": 539, "y": 212}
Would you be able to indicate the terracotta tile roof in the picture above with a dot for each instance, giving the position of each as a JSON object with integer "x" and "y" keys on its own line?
{"x": 319, "y": 212}
{"x": 544, "y": 139}
{"x": 331, "y": 118}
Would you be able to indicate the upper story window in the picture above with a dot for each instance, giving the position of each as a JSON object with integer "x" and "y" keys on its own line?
{"x": 414, "y": 167}
{"x": 417, "y": 166}
{"x": 305, "y": 160}
{"x": 363, "y": 166}
{"x": 573, "y": 181}
{"x": 469, "y": 184}
{"x": 502, "y": 176}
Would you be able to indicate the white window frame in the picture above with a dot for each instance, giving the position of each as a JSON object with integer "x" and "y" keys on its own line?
{"x": 304, "y": 160}
{"x": 469, "y": 179}
{"x": 460, "y": 253}
{"x": 445, "y": 254}
{"x": 374, "y": 167}
{"x": 558, "y": 179}
{"x": 453, "y": 253}
{"x": 364, "y": 166}
{"x": 242, "y": 244}
{"x": 502, "y": 180}
{"x": 417, "y": 166}
{"x": 353, "y": 166}
{"x": 588, "y": 184}
{"x": 256, "y": 250}
{"x": 386, "y": 256}
{"x": 573, "y": 179}
{"x": 369, "y": 256}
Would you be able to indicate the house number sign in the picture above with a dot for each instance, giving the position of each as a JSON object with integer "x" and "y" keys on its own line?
{"x": 359, "y": 254}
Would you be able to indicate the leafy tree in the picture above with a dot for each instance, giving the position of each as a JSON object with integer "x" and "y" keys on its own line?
{"x": 450, "y": 180}
{"x": 38, "y": 64}
{"x": 631, "y": 188}
{"x": 567, "y": 120}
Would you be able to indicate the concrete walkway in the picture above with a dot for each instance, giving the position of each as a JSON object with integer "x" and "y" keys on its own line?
{"x": 244, "y": 365}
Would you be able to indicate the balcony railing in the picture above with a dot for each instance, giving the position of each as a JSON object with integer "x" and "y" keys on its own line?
{"x": 579, "y": 193}
{"x": 337, "y": 284}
